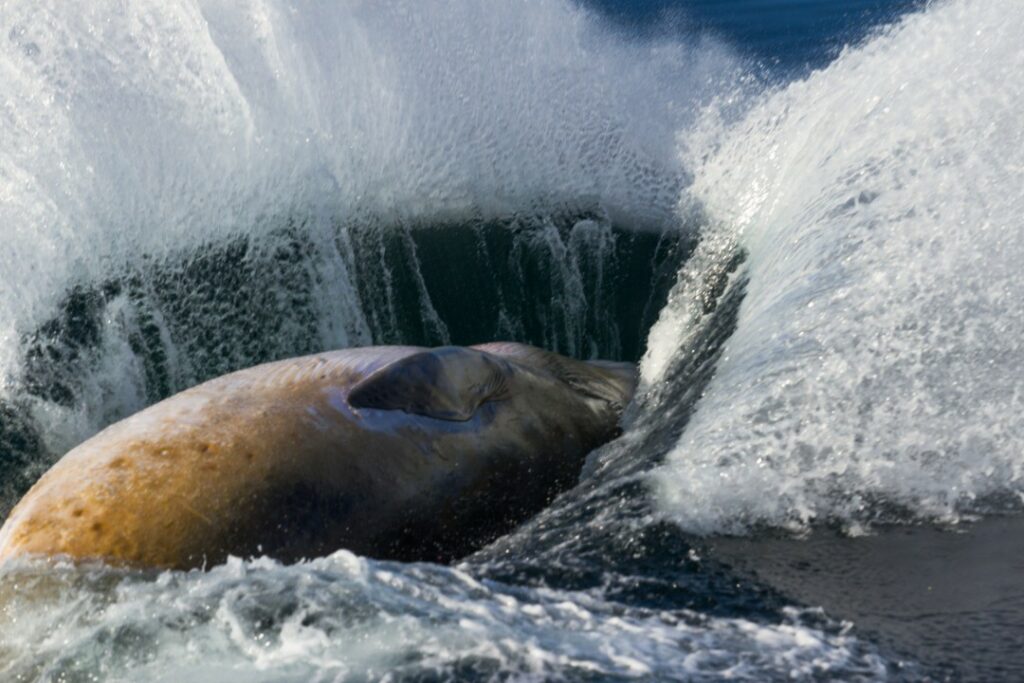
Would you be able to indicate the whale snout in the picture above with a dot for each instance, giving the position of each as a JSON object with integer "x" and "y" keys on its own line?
{"x": 610, "y": 381}
{"x": 617, "y": 380}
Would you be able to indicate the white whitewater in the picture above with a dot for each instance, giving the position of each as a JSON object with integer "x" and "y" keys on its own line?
{"x": 875, "y": 371}
{"x": 345, "y": 618}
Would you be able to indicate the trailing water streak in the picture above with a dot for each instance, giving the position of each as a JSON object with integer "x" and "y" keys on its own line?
{"x": 875, "y": 369}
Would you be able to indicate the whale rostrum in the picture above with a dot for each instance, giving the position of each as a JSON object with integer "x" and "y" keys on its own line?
{"x": 391, "y": 452}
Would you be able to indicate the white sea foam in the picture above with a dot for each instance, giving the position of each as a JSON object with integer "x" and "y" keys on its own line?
{"x": 346, "y": 618}
{"x": 875, "y": 369}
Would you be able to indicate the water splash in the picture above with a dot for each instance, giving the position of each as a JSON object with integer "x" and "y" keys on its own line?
{"x": 873, "y": 373}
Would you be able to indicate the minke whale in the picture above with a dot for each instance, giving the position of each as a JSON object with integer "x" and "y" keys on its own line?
{"x": 391, "y": 452}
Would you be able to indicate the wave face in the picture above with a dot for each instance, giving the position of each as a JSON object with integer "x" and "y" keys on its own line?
{"x": 874, "y": 371}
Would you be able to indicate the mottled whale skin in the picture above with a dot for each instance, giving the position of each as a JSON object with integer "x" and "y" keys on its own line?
{"x": 391, "y": 452}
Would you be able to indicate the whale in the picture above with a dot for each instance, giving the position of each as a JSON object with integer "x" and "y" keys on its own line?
{"x": 391, "y": 452}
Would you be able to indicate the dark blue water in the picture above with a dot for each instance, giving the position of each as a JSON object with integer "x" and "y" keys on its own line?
{"x": 785, "y": 35}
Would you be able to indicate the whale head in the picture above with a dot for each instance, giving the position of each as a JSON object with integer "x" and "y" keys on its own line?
{"x": 398, "y": 453}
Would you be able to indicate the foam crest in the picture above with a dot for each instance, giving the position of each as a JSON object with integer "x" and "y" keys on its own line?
{"x": 874, "y": 372}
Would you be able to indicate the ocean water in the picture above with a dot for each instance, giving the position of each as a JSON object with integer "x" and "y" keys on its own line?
{"x": 802, "y": 219}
